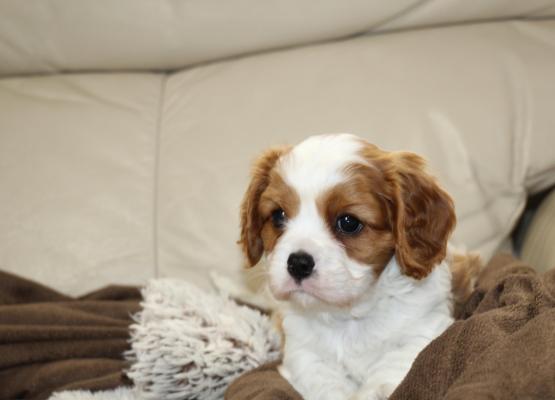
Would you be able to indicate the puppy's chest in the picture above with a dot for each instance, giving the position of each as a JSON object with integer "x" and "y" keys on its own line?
{"x": 355, "y": 346}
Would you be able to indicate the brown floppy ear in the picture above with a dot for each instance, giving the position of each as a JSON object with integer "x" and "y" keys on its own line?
{"x": 251, "y": 221}
{"x": 425, "y": 216}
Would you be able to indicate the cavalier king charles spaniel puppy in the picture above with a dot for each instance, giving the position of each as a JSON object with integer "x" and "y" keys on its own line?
{"x": 354, "y": 242}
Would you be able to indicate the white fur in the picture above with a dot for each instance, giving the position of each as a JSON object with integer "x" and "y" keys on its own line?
{"x": 316, "y": 163}
{"x": 364, "y": 352}
{"x": 349, "y": 335}
{"x": 311, "y": 168}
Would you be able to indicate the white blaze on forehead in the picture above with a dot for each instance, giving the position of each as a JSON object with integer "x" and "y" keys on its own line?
{"x": 318, "y": 163}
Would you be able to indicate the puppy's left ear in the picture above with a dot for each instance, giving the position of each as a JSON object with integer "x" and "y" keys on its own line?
{"x": 251, "y": 221}
{"x": 425, "y": 216}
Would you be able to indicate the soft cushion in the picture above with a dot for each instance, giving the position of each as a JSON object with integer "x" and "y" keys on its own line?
{"x": 122, "y": 177}
{"x": 474, "y": 100}
{"x": 38, "y": 36}
{"x": 77, "y": 162}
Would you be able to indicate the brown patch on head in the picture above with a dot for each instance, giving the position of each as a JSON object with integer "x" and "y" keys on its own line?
{"x": 403, "y": 209}
{"x": 421, "y": 214}
{"x": 425, "y": 217}
{"x": 266, "y": 192}
{"x": 360, "y": 197}
{"x": 278, "y": 195}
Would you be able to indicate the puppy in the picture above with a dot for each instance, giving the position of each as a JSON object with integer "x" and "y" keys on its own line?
{"x": 354, "y": 241}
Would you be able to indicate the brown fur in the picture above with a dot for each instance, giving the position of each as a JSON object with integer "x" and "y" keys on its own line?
{"x": 403, "y": 209}
{"x": 253, "y": 222}
{"x": 278, "y": 194}
{"x": 374, "y": 244}
{"x": 425, "y": 217}
{"x": 421, "y": 214}
{"x": 464, "y": 270}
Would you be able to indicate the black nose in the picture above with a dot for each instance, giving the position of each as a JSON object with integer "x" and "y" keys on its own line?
{"x": 300, "y": 265}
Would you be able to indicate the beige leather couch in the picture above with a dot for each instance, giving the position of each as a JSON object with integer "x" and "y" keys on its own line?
{"x": 127, "y": 128}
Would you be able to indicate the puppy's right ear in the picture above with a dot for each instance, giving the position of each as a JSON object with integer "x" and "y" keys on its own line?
{"x": 251, "y": 221}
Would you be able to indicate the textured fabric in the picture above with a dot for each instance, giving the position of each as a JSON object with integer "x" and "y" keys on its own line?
{"x": 501, "y": 347}
{"x": 262, "y": 383}
{"x": 539, "y": 245}
{"x": 61, "y": 35}
{"x": 121, "y": 393}
{"x": 188, "y": 343}
{"x": 51, "y": 342}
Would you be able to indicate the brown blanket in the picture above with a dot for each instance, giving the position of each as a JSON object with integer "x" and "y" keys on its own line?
{"x": 51, "y": 342}
{"x": 501, "y": 347}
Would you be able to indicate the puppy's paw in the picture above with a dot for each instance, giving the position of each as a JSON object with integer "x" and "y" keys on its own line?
{"x": 377, "y": 392}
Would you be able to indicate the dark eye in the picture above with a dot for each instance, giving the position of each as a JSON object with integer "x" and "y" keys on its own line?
{"x": 348, "y": 224}
{"x": 279, "y": 218}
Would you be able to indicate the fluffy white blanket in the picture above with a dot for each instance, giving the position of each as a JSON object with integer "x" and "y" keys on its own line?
{"x": 116, "y": 394}
{"x": 190, "y": 344}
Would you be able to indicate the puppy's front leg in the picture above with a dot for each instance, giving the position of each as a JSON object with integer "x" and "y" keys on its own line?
{"x": 380, "y": 386}
{"x": 317, "y": 379}
{"x": 385, "y": 375}
{"x": 375, "y": 391}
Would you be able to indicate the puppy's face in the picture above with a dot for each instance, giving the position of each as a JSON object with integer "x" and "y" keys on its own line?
{"x": 329, "y": 214}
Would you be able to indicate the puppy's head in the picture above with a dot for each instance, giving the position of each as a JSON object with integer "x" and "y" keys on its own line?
{"x": 329, "y": 214}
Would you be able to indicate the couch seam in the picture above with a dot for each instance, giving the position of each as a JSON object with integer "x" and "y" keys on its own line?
{"x": 407, "y": 10}
{"x": 156, "y": 172}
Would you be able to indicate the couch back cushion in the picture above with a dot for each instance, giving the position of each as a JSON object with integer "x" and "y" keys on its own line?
{"x": 46, "y": 36}
{"x": 119, "y": 177}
